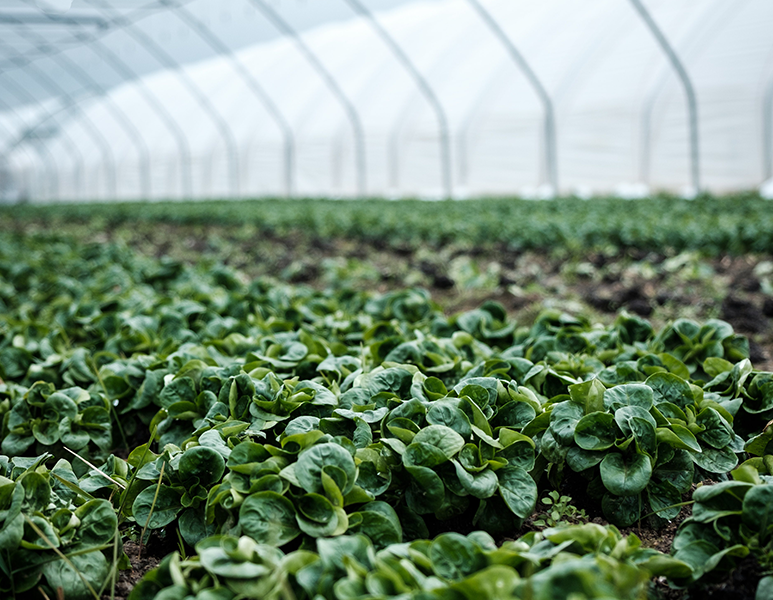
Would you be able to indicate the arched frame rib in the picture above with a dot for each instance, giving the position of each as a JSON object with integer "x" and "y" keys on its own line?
{"x": 349, "y": 109}
{"x": 684, "y": 78}
{"x": 252, "y": 83}
{"x": 425, "y": 89}
{"x": 45, "y": 155}
{"x": 89, "y": 82}
{"x": 657, "y": 87}
{"x": 549, "y": 120}
{"x": 94, "y": 132}
{"x": 164, "y": 58}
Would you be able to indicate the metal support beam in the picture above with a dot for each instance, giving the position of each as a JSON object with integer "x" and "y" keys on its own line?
{"x": 43, "y": 18}
{"x": 549, "y": 121}
{"x": 252, "y": 83}
{"x": 331, "y": 83}
{"x": 133, "y": 15}
{"x": 720, "y": 19}
{"x": 193, "y": 88}
{"x": 25, "y": 96}
{"x": 89, "y": 82}
{"x": 45, "y": 155}
{"x": 123, "y": 68}
{"x": 692, "y": 103}
{"x": 424, "y": 88}
{"x": 767, "y": 131}
{"x": 94, "y": 132}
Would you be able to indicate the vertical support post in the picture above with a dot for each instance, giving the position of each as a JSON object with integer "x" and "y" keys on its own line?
{"x": 549, "y": 122}
{"x": 198, "y": 94}
{"x": 21, "y": 93}
{"x": 56, "y": 90}
{"x": 425, "y": 89}
{"x": 252, "y": 83}
{"x": 767, "y": 131}
{"x": 692, "y": 103}
{"x": 721, "y": 18}
{"x": 332, "y": 85}
{"x": 124, "y": 122}
{"x": 43, "y": 152}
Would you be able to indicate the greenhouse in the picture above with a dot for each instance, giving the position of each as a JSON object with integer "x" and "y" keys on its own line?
{"x": 431, "y": 99}
{"x": 386, "y": 300}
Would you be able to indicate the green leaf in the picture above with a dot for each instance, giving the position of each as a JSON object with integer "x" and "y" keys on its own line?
{"x": 579, "y": 460}
{"x": 165, "y": 510}
{"x": 667, "y": 387}
{"x": 662, "y": 495}
{"x": 37, "y": 491}
{"x": 426, "y": 491}
{"x": 630, "y": 394}
{"x": 595, "y": 431}
{"x": 177, "y": 390}
{"x": 92, "y": 566}
{"x": 221, "y": 562}
{"x": 715, "y": 460}
{"x": 201, "y": 465}
{"x": 496, "y": 582}
{"x": 716, "y": 433}
{"x": 518, "y": 490}
{"x": 58, "y": 406}
{"x": 379, "y": 522}
{"x": 445, "y": 439}
{"x": 46, "y": 432}
{"x": 454, "y": 557}
{"x": 625, "y": 415}
{"x": 268, "y": 518}
{"x": 423, "y": 455}
{"x": 98, "y": 523}
{"x": 625, "y": 475}
{"x": 193, "y": 526}
{"x": 448, "y": 413}
{"x": 481, "y": 485}
{"x": 563, "y": 420}
{"x": 589, "y": 394}
{"x": 758, "y": 509}
{"x": 765, "y": 588}
{"x": 678, "y": 436}
{"x": 311, "y": 461}
{"x": 678, "y": 471}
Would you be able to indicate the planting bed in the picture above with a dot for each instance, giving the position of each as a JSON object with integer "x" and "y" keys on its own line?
{"x": 276, "y": 413}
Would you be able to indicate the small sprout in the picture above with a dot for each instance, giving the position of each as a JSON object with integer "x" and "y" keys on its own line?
{"x": 562, "y": 511}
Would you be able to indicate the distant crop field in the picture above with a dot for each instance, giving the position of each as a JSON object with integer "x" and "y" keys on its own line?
{"x": 735, "y": 224}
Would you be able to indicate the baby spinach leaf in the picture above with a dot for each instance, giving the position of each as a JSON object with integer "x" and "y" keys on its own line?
{"x": 268, "y": 518}
{"x": 626, "y": 475}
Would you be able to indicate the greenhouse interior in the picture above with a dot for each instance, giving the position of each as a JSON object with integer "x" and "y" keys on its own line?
{"x": 386, "y": 300}
{"x": 383, "y": 98}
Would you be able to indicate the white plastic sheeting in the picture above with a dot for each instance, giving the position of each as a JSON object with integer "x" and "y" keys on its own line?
{"x": 620, "y": 110}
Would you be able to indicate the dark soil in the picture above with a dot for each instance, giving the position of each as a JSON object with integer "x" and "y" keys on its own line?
{"x": 141, "y": 562}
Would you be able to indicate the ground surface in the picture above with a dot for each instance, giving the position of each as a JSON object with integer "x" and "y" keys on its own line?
{"x": 660, "y": 287}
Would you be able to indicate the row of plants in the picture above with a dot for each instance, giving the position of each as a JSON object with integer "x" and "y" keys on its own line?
{"x": 271, "y": 428}
{"x": 737, "y": 224}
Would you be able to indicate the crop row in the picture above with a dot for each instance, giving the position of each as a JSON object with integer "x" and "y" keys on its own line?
{"x": 736, "y": 224}
{"x": 309, "y": 444}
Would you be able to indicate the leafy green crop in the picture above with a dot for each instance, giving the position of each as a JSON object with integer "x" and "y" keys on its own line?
{"x": 54, "y": 534}
{"x": 735, "y": 224}
{"x": 590, "y": 560}
{"x": 312, "y": 442}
